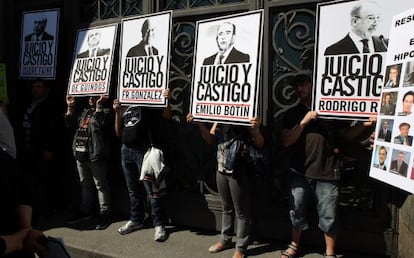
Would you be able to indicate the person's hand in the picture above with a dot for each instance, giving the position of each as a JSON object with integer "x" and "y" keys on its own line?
{"x": 371, "y": 122}
{"x": 255, "y": 122}
{"x": 372, "y": 139}
{"x": 189, "y": 118}
{"x": 102, "y": 99}
{"x": 35, "y": 241}
{"x": 70, "y": 101}
{"x": 14, "y": 242}
{"x": 166, "y": 93}
{"x": 311, "y": 115}
{"x": 116, "y": 106}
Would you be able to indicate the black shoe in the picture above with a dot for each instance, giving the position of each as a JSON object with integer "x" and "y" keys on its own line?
{"x": 79, "y": 216}
{"x": 104, "y": 222}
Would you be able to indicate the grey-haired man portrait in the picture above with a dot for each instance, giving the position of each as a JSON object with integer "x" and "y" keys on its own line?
{"x": 39, "y": 33}
{"x": 145, "y": 47}
{"x": 227, "y": 53}
{"x": 365, "y": 17}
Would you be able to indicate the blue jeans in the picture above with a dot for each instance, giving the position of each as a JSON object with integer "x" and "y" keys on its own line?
{"x": 131, "y": 166}
{"x": 325, "y": 194}
{"x": 93, "y": 177}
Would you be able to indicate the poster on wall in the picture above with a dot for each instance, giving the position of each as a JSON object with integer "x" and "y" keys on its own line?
{"x": 92, "y": 61}
{"x": 39, "y": 41}
{"x": 144, "y": 60}
{"x": 350, "y": 56}
{"x": 393, "y": 160}
{"x": 227, "y": 62}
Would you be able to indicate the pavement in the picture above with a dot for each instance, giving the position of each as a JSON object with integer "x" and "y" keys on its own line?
{"x": 83, "y": 241}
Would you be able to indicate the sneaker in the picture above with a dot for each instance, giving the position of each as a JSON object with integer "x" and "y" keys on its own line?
{"x": 129, "y": 227}
{"x": 79, "y": 216}
{"x": 103, "y": 222}
{"x": 160, "y": 234}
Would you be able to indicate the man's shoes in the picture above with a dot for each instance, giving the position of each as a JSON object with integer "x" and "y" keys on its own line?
{"x": 238, "y": 254}
{"x": 129, "y": 227}
{"x": 160, "y": 234}
{"x": 219, "y": 246}
{"x": 79, "y": 216}
{"x": 104, "y": 222}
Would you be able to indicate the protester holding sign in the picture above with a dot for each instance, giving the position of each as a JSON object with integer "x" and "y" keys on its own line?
{"x": 232, "y": 178}
{"x": 139, "y": 129}
{"x": 91, "y": 149}
{"x": 314, "y": 170}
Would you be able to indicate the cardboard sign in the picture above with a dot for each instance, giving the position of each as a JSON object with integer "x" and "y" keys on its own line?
{"x": 227, "y": 62}
{"x": 92, "y": 61}
{"x": 39, "y": 44}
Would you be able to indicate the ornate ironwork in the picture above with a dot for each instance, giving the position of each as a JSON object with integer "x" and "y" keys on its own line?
{"x": 292, "y": 48}
{"x": 92, "y": 10}
{"x": 188, "y": 4}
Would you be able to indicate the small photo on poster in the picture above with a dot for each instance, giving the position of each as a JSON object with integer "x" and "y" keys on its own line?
{"x": 405, "y": 104}
{"x": 385, "y": 131}
{"x": 404, "y": 134}
{"x": 388, "y": 103}
{"x": 399, "y": 162}
{"x": 409, "y": 74}
{"x": 392, "y": 76}
{"x": 381, "y": 159}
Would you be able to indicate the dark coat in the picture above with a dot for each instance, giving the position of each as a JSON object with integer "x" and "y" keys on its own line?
{"x": 139, "y": 50}
{"x": 403, "y": 167}
{"x": 234, "y": 56}
{"x": 347, "y": 46}
{"x": 99, "y": 52}
{"x": 45, "y": 36}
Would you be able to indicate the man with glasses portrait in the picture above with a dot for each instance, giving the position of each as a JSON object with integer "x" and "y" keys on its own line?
{"x": 365, "y": 18}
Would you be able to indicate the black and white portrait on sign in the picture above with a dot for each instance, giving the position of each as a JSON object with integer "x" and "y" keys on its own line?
{"x": 39, "y": 44}
{"x": 227, "y": 53}
{"x": 92, "y": 61}
{"x": 352, "y": 40}
{"x": 363, "y": 37}
{"x": 226, "y": 68}
{"x": 144, "y": 59}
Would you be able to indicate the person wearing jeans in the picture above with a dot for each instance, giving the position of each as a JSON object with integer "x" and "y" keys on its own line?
{"x": 139, "y": 129}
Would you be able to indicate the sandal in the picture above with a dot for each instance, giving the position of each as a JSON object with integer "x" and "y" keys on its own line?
{"x": 330, "y": 256}
{"x": 286, "y": 254}
{"x": 219, "y": 246}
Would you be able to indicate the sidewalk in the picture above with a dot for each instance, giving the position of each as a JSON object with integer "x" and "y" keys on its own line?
{"x": 84, "y": 242}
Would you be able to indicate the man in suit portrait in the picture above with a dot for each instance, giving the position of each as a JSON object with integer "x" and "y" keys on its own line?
{"x": 361, "y": 39}
{"x": 382, "y": 156}
{"x": 399, "y": 165}
{"x": 393, "y": 77}
{"x": 387, "y": 108}
{"x": 39, "y": 33}
{"x": 384, "y": 132}
{"x": 404, "y": 138}
{"x": 94, "y": 40}
{"x": 144, "y": 47}
{"x": 227, "y": 54}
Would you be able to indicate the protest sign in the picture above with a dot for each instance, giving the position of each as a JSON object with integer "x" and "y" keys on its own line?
{"x": 351, "y": 46}
{"x": 392, "y": 161}
{"x": 92, "y": 61}
{"x": 144, "y": 59}
{"x": 227, "y": 61}
{"x": 39, "y": 44}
